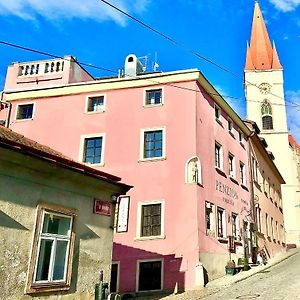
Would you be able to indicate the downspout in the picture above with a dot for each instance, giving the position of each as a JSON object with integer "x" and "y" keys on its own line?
{"x": 9, "y": 106}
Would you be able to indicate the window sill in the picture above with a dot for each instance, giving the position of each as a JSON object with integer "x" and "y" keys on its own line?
{"x": 218, "y": 121}
{"x": 242, "y": 144}
{"x": 94, "y": 112}
{"x": 232, "y": 134}
{"x": 152, "y": 159}
{"x": 233, "y": 179}
{"x": 23, "y": 120}
{"x": 153, "y": 105}
{"x": 222, "y": 239}
{"x": 244, "y": 187}
{"x": 93, "y": 165}
{"x": 220, "y": 171}
{"x": 147, "y": 238}
{"x": 47, "y": 287}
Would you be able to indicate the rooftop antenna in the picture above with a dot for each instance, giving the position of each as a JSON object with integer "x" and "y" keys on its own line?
{"x": 145, "y": 62}
{"x": 155, "y": 64}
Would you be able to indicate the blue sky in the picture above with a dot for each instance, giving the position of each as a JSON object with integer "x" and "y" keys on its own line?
{"x": 99, "y": 35}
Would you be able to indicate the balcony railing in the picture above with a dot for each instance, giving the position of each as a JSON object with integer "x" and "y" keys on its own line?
{"x": 41, "y": 68}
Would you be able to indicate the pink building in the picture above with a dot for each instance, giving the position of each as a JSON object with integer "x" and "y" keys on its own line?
{"x": 170, "y": 135}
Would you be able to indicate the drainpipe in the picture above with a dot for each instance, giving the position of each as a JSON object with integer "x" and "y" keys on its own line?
{"x": 9, "y": 106}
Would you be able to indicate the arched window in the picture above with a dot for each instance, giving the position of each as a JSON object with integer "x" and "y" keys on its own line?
{"x": 266, "y": 113}
{"x": 193, "y": 172}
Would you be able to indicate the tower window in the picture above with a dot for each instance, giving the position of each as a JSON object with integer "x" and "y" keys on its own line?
{"x": 267, "y": 118}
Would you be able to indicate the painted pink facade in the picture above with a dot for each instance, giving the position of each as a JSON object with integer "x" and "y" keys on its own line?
{"x": 185, "y": 248}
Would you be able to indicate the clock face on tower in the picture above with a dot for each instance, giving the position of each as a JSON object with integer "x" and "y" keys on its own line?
{"x": 264, "y": 88}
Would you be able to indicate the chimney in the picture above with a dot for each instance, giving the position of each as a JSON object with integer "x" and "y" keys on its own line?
{"x": 133, "y": 66}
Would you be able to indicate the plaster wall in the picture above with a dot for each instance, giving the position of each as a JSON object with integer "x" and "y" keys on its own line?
{"x": 26, "y": 182}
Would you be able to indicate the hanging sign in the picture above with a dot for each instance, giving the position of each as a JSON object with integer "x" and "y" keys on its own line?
{"x": 123, "y": 214}
{"x": 102, "y": 207}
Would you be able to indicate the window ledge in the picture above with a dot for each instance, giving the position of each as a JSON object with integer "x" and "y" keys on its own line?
{"x": 244, "y": 187}
{"x": 50, "y": 287}
{"x": 242, "y": 144}
{"x": 94, "y": 112}
{"x": 147, "y": 238}
{"x": 233, "y": 179}
{"x": 222, "y": 239}
{"x": 23, "y": 120}
{"x": 218, "y": 121}
{"x": 152, "y": 105}
{"x": 220, "y": 171}
{"x": 232, "y": 134}
{"x": 152, "y": 159}
{"x": 93, "y": 165}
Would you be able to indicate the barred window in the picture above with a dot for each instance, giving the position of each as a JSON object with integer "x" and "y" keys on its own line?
{"x": 151, "y": 220}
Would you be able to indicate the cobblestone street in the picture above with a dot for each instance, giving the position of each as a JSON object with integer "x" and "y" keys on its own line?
{"x": 278, "y": 282}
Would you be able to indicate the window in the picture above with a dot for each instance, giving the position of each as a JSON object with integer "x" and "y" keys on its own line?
{"x": 266, "y": 113}
{"x": 230, "y": 126}
{"x": 241, "y": 137}
{"x": 24, "y": 111}
{"x": 231, "y": 164}
{"x": 150, "y": 220}
{"x": 153, "y": 144}
{"x": 92, "y": 150}
{"x": 267, "y": 225}
{"x": 210, "y": 218}
{"x": 193, "y": 171}
{"x": 50, "y": 265}
{"x": 221, "y": 223}
{"x": 255, "y": 169}
{"x": 150, "y": 275}
{"x": 242, "y": 173}
{"x": 96, "y": 104}
{"x": 218, "y": 156}
{"x": 217, "y": 113}
{"x": 153, "y": 97}
{"x": 235, "y": 225}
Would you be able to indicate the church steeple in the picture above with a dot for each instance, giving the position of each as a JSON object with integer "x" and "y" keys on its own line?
{"x": 260, "y": 54}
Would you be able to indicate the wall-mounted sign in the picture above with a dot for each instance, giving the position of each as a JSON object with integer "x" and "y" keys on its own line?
{"x": 123, "y": 214}
{"x": 223, "y": 188}
{"x": 102, "y": 207}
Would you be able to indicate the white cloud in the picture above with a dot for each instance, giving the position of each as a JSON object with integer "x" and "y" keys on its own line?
{"x": 56, "y": 10}
{"x": 285, "y": 5}
{"x": 293, "y": 113}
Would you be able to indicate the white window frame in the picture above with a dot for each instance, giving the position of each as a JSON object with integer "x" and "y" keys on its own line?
{"x": 142, "y": 143}
{"x": 139, "y": 220}
{"x": 138, "y": 273}
{"x": 218, "y": 109}
{"x": 212, "y": 218}
{"x": 230, "y": 130}
{"x": 237, "y": 225}
{"x": 81, "y": 148}
{"x": 88, "y": 97}
{"x": 242, "y": 170}
{"x": 232, "y": 174}
{"x": 154, "y": 88}
{"x": 241, "y": 137}
{"x": 221, "y": 167}
{"x": 17, "y": 110}
{"x": 224, "y": 229}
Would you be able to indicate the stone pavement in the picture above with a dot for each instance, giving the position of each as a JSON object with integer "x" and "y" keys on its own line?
{"x": 225, "y": 281}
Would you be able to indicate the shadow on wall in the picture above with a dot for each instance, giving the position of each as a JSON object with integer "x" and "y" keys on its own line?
{"x": 7, "y": 221}
{"x": 130, "y": 279}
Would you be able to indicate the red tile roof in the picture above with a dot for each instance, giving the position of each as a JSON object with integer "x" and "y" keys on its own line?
{"x": 20, "y": 143}
{"x": 294, "y": 143}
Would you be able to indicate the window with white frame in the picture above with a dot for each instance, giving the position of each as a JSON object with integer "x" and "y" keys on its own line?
{"x": 267, "y": 225}
{"x": 217, "y": 112}
{"x": 210, "y": 218}
{"x": 221, "y": 225}
{"x": 153, "y": 97}
{"x": 241, "y": 137}
{"x": 96, "y": 103}
{"x": 231, "y": 165}
{"x": 230, "y": 126}
{"x": 153, "y": 143}
{"x": 218, "y": 156}
{"x": 25, "y": 111}
{"x": 235, "y": 225}
{"x": 150, "y": 275}
{"x": 92, "y": 152}
{"x": 52, "y": 249}
{"x": 242, "y": 173}
{"x": 150, "y": 220}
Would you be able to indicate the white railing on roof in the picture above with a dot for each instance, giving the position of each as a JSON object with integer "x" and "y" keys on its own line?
{"x": 41, "y": 68}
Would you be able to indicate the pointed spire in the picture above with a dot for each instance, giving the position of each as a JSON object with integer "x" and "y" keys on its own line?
{"x": 263, "y": 56}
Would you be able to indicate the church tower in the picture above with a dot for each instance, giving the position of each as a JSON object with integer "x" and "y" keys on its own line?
{"x": 264, "y": 91}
